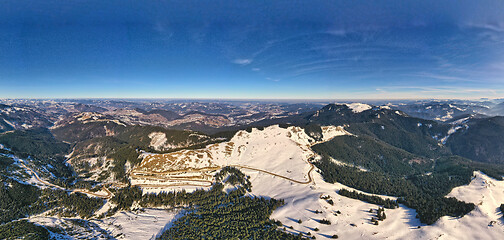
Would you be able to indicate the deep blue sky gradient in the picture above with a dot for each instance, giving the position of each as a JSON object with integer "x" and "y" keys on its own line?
{"x": 252, "y": 49}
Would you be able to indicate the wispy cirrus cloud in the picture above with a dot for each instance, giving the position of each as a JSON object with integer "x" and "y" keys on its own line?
{"x": 337, "y": 32}
{"x": 446, "y": 78}
{"x": 273, "y": 79}
{"x": 496, "y": 26}
{"x": 439, "y": 90}
{"x": 243, "y": 61}
{"x": 163, "y": 30}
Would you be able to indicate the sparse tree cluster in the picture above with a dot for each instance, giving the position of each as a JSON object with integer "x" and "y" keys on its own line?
{"x": 325, "y": 221}
{"x": 380, "y": 216}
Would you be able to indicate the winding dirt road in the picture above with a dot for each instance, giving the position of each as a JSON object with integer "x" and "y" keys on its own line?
{"x": 280, "y": 176}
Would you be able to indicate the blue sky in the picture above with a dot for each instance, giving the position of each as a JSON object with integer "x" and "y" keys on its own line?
{"x": 252, "y": 49}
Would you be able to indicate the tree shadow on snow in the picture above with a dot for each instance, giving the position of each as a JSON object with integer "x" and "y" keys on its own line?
{"x": 293, "y": 219}
{"x": 312, "y": 211}
{"x": 325, "y": 235}
{"x": 410, "y": 218}
{"x": 170, "y": 224}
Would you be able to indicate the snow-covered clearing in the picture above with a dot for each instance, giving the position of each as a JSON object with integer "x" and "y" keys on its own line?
{"x": 358, "y": 107}
{"x": 329, "y": 132}
{"x": 158, "y": 140}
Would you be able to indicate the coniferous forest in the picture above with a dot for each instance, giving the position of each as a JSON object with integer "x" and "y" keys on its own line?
{"x": 386, "y": 203}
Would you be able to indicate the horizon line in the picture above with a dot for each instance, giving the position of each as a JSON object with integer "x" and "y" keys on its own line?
{"x": 245, "y": 99}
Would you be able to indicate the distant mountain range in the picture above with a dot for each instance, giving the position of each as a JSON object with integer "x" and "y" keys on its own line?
{"x": 467, "y": 128}
{"x": 448, "y": 110}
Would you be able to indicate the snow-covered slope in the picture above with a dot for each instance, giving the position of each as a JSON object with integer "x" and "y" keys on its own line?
{"x": 302, "y": 202}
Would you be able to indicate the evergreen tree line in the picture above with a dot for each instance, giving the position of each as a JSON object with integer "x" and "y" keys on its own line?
{"x": 47, "y": 154}
{"x": 38, "y": 143}
{"x": 68, "y": 204}
{"x": 386, "y": 203}
{"x": 17, "y": 200}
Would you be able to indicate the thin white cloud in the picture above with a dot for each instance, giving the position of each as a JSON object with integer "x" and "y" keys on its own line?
{"x": 242, "y": 61}
{"x": 337, "y": 32}
{"x": 163, "y": 30}
{"x": 440, "y": 90}
{"x": 496, "y": 27}
{"x": 256, "y": 69}
{"x": 497, "y": 66}
{"x": 446, "y": 78}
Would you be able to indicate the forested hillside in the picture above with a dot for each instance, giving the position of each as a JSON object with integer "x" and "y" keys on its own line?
{"x": 482, "y": 141}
